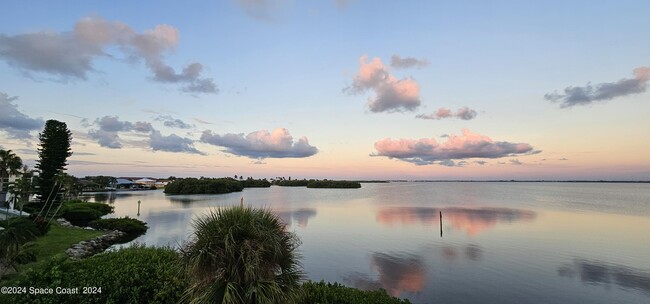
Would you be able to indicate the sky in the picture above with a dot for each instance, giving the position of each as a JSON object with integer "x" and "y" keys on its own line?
{"x": 342, "y": 89}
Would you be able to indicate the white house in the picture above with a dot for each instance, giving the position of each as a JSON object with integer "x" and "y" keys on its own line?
{"x": 161, "y": 183}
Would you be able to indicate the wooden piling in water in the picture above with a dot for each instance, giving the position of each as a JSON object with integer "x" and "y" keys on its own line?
{"x": 440, "y": 223}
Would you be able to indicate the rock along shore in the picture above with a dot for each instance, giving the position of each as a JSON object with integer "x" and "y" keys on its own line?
{"x": 93, "y": 246}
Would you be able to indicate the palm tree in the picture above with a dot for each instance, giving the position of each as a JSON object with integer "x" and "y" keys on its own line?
{"x": 22, "y": 188}
{"x": 241, "y": 255}
{"x": 18, "y": 231}
{"x": 9, "y": 164}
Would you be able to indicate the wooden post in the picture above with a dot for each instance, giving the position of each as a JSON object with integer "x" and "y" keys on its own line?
{"x": 440, "y": 223}
{"x": 241, "y": 202}
{"x": 138, "y": 208}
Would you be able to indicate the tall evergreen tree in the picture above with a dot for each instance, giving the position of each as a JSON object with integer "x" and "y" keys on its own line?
{"x": 54, "y": 149}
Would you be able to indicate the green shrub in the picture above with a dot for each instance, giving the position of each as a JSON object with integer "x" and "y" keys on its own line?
{"x": 101, "y": 207}
{"x": 41, "y": 223}
{"x": 242, "y": 255}
{"x": 328, "y": 293}
{"x": 25, "y": 226}
{"x": 27, "y": 254}
{"x": 132, "y": 227}
{"x": 18, "y": 231}
{"x": 81, "y": 215}
{"x": 136, "y": 274}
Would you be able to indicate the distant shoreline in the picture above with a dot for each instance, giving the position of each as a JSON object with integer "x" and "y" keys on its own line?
{"x": 518, "y": 181}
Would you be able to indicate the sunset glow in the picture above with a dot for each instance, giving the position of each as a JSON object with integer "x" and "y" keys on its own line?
{"x": 333, "y": 89}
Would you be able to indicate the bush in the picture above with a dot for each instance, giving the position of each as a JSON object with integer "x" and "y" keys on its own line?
{"x": 132, "y": 227}
{"x": 80, "y": 213}
{"x": 18, "y": 231}
{"x": 137, "y": 274}
{"x": 81, "y": 216}
{"x": 101, "y": 207}
{"x": 41, "y": 223}
{"x": 25, "y": 226}
{"x": 27, "y": 254}
{"x": 242, "y": 255}
{"x": 328, "y": 293}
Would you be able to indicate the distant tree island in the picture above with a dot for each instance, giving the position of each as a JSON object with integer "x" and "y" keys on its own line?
{"x": 314, "y": 183}
{"x": 205, "y": 185}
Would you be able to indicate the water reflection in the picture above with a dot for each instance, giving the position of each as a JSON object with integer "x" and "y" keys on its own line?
{"x": 472, "y": 251}
{"x": 471, "y": 220}
{"x": 301, "y": 216}
{"x": 398, "y": 273}
{"x": 110, "y": 196}
{"x": 601, "y": 273}
{"x": 104, "y": 197}
{"x": 167, "y": 227}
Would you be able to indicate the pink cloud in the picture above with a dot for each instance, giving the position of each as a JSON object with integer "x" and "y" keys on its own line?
{"x": 391, "y": 94}
{"x": 426, "y": 151}
{"x": 463, "y": 113}
{"x": 262, "y": 144}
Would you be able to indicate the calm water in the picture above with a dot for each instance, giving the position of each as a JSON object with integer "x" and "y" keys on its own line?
{"x": 500, "y": 242}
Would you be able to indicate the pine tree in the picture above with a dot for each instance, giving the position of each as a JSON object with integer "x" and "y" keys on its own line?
{"x": 54, "y": 149}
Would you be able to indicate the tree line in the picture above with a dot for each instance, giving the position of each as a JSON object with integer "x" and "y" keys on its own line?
{"x": 206, "y": 185}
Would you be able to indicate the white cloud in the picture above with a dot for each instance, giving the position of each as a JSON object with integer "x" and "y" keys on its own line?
{"x": 70, "y": 55}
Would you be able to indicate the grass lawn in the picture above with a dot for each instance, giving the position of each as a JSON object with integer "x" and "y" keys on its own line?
{"x": 56, "y": 241}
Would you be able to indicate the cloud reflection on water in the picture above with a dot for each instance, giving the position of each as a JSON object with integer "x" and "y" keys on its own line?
{"x": 398, "y": 273}
{"x": 451, "y": 253}
{"x": 471, "y": 220}
{"x": 301, "y": 216}
{"x": 602, "y": 273}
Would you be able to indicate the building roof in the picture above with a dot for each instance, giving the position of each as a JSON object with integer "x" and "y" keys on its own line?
{"x": 144, "y": 180}
{"x": 124, "y": 181}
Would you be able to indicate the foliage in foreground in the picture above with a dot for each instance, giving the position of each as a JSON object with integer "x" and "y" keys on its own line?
{"x": 203, "y": 186}
{"x": 136, "y": 274}
{"x": 17, "y": 233}
{"x": 140, "y": 274}
{"x": 241, "y": 255}
{"x": 328, "y": 293}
